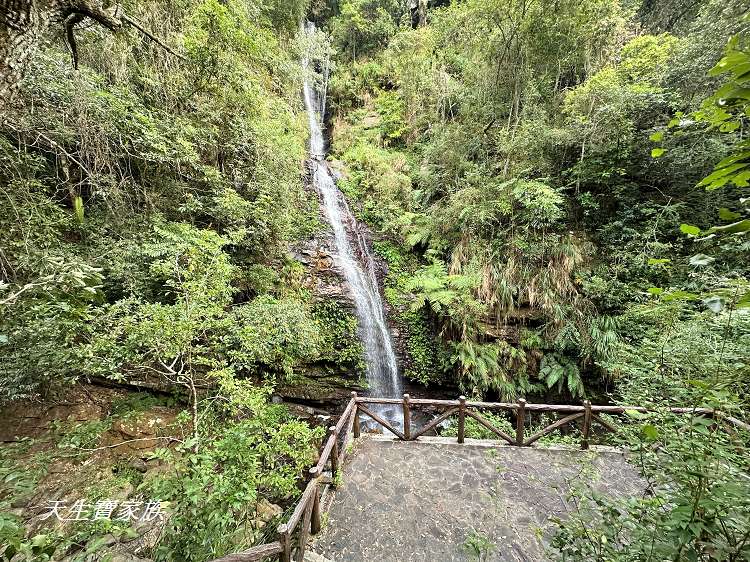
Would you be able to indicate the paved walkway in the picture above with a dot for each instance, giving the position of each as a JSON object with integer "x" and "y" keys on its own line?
{"x": 424, "y": 501}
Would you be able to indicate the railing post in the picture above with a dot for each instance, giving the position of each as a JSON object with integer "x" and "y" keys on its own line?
{"x": 356, "y": 416}
{"x": 407, "y": 419}
{"x": 315, "y": 521}
{"x": 334, "y": 454}
{"x": 520, "y": 421}
{"x": 461, "y": 417}
{"x": 586, "y": 424}
{"x": 286, "y": 543}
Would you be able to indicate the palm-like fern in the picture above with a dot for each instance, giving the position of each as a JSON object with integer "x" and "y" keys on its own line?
{"x": 492, "y": 366}
{"x": 562, "y": 372}
{"x": 449, "y": 296}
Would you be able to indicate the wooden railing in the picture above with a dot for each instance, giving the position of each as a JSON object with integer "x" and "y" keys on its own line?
{"x": 307, "y": 509}
{"x": 324, "y": 474}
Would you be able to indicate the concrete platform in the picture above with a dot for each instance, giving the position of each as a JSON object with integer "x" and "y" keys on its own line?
{"x": 424, "y": 501}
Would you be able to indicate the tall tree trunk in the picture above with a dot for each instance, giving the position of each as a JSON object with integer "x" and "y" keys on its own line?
{"x": 21, "y": 28}
{"x": 418, "y": 9}
{"x": 422, "y": 13}
{"x": 23, "y": 23}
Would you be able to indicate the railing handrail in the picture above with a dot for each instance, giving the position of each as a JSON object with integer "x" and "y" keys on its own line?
{"x": 307, "y": 508}
{"x": 562, "y": 408}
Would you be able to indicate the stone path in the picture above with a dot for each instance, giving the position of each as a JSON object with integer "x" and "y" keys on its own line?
{"x": 422, "y": 501}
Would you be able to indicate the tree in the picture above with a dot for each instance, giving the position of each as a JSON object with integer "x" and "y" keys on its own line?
{"x": 26, "y": 22}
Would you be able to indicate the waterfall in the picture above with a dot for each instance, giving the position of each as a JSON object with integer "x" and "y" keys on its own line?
{"x": 352, "y": 252}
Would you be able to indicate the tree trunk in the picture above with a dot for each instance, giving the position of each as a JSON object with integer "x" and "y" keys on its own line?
{"x": 422, "y": 13}
{"x": 418, "y": 9}
{"x": 23, "y": 23}
{"x": 21, "y": 28}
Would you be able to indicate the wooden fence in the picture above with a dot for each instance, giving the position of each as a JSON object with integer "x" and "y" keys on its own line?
{"x": 324, "y": 474}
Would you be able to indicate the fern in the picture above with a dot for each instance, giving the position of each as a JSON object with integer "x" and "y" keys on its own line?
{"x": 493, "y": 366}
{"x": 562, "y": 372}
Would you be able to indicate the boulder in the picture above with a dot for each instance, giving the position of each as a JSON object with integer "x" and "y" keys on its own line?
{"x": 145, "y": 424}
{"x": 157, "y": 472}
{"x": 265, "y": 511}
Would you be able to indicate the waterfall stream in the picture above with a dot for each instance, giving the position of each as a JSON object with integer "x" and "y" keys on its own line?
{"x": 352, "y": 252}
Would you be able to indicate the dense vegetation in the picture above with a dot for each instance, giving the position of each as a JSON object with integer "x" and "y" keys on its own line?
{"x": 559, "y": 191}
{"x": 509, "y": 146}
{"x": 537, "y": 175}
{"x": 149, "y": 205}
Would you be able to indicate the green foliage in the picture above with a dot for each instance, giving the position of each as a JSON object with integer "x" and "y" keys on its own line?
{"x": 496, "y": 366}
{"x": 379, "y": 179}
{"x": 560, "y": 372}
{"x": 539, "y": 220}
{"x": 273, "y": 335}
{"x": 45, "y": 546}
{"x": 84, "y": 435}
{"x": 391, "y": 108}
{"x": 364, "y": 25}
{"x": 681, "y": 343}
{"x": 433, "y": 286}
{"x": 478, "y": 546}
{"x": 415, "y": 329}
{"x": 645, "y": 59}
{"x": 724, "y": 110}
{"x": 134, "y": 403}
{"x": 44, "y": 318}
{"x": 339, "y": 343}
{"x": 24, "y": 464}
{"x": 261, "y": 452}
{"x": 152, "y": 201}
{"x": 18, "y": 480}
{"x": 130, "y": 255}
{"x": 674, "y": 353}
{"x": 422, "y": 348}
{"x": 699, "y": 509}
{"x": 15, "y": 545}
{"x": 562, "y": 250}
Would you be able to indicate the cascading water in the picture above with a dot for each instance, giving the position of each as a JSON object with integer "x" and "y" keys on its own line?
{"x": 355, "y": 263}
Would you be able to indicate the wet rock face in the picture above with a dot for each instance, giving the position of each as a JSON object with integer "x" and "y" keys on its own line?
{"x": 147, "y": 423}
{"x": 326, "y": 280}
{"x": 318, "y": 384}
{"x": 323, "y": 277}
{"x": 327, "y": 393}
{"x": 320, "y": 387}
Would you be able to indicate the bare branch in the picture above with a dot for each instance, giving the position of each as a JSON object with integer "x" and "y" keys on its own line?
{"x": 52, "y": 143}
{"x": 25, "y": 22}
{"x": 12, "y": 298}
{"x": 150, "y": 35}
{"x": 70, "y": 22}
{"x": 94, "y": 10}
